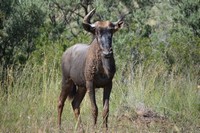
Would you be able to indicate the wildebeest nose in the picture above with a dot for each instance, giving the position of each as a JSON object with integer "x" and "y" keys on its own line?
{"x": 107, "y": 53}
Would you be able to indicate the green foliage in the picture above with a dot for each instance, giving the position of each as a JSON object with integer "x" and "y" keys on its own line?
{"x": 189, "y": 14}
{"x": 185, "y": 53}
{"x": 21, "y": 28}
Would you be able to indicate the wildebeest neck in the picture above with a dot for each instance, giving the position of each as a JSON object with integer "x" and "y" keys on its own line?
{"x": 109, "y": 66}
{"x": 102, "y": 64}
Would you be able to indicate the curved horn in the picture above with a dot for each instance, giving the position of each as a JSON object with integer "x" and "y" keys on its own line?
{"x": 89, "y": 16}
{"x": 119, "y": 23}
{"x": 121, "y": 17}
{"x": 86, "y": 21}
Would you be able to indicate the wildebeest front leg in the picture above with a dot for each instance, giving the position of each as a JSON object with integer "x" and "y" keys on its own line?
{"x": 91, "y": 92}
{"x": 106, "y": 97}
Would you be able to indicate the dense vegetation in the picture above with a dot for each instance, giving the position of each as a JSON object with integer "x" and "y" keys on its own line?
{"x": 157, "y": 55}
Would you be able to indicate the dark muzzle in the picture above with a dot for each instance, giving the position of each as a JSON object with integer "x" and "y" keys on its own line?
{"x": 108, "y": 53}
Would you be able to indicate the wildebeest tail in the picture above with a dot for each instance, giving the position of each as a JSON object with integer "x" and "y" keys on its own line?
{"x": 72, "y": 92}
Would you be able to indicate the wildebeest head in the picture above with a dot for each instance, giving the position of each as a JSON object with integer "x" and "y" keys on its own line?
{"x": 103, "y": 32}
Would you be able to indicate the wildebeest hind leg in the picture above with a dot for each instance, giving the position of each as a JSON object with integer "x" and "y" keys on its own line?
{"x": 67, "y": 85}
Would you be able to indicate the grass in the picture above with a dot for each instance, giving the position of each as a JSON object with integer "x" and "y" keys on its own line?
{"x": 31, "y": 102}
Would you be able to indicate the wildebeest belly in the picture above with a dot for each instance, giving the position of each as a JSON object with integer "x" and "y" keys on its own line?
{"x": 77, "y": 77}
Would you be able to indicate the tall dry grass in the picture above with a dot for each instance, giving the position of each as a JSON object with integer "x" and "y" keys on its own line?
{"x": 30, "y": 104}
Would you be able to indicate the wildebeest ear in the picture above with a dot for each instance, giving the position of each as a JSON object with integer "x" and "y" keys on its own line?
{"x": 118, "y": 25}
{"x": 89, "y": 27}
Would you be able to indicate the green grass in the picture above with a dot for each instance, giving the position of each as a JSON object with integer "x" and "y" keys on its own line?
{"x": 31, "y": 102}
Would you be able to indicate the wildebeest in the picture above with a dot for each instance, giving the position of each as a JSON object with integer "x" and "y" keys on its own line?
{"x": 86, "y": 67}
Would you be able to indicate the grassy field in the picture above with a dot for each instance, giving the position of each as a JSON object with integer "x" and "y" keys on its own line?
{"x": 151, "y": 101}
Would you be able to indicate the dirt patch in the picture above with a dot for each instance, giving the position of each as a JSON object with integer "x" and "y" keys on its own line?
{"x": 144, "y": 119}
